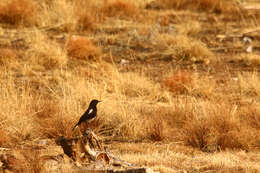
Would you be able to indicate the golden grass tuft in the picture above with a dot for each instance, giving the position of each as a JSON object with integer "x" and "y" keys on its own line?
{"x": 86, "y": 21}
{"x": 54, "y": 126}
{"x": 26, "y": 160}
{"x": 7, "y": 56}
{"x": 119, "y": 8}
{"x": 217, "y": 6}
{"x": 51, "y": 121}
{"x": 82, "y": 48}
{"x": 18, "y": 12}
{"x": 33, "y": 162}
{"x": 204, "y": 86}
{"x": 186, "y": 29}
{"x": 5, "y": 139}
{"x": 134, "y": 85}
{"x": 249, "y": 83}
{"x": 59, "y": 15}
{"x": 251, "y": 115}
{"x": 218, "y": 130}
{"x": 89, "y": 16}
{"x": 250, "y": 59}
{"x": 183, "y": 48}
{"x": 44, "y": 53}
{"x": 13, "y": 163}
{"x": 180, "y": 82}
{"x": 15, "y": 116}
{"x": 157, "y": 128}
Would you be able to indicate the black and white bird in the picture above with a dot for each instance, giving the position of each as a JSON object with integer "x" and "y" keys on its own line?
{"x": 89, "y": 115}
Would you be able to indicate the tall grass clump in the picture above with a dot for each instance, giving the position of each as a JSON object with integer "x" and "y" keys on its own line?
{"x": 218, "y": 6}
{"x": 82, "y": 48}
{"x": 88, "y": 17}
{"x": 16, "y": 115}
{"x": 8, "y": 57}
{"x": 180, "y": 82}
{"x": 18, "y": 12}
{"x": 45, "y": 54}
{"x": 217, "y": 128}
{"x": 119, "y": 8}
{"x": 183, "y": 48}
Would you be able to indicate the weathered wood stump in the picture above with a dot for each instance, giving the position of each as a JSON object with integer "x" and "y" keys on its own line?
{"x": 88, "y": 153}
{"x": 83, "y": 153}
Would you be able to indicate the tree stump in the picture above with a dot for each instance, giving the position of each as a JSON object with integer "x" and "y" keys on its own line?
{"x": 88, "y": 153}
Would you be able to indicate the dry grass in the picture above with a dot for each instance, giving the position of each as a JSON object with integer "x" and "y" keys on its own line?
{"x": 249, "y": 84}
{"x": 170, "y": 157}
{"x": 250, "y": 59}
{"x": 186, "y": 29}
{"x": 82, "y": 48}
{"x": 5, "y": 140}
{"x": 179, "y": 82}
{"x": 216, "y": 131}
{"x": 119, "y": 8}
{"x": 18, "y": 12}
{"x": 218, "y": 6}
{"x": 50, "y": 121}
{"x": 90, "y": 15}
{"x": 16, "y": 119}
{"x": 86, "y": 21}
{"x": 183, "y": 48}
{"x": 7, "y": 56}
{"x": 44, "y": 53}
{"x": 165, "y": 90}
{"x": 58, "y": 14}
{"x": 251, "y": 116}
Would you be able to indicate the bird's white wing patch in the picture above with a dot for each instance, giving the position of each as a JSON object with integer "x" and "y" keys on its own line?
{"x": 91, "y": 110}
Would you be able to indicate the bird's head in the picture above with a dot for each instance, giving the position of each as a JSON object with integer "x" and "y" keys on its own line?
{"x": 94, "y": 102}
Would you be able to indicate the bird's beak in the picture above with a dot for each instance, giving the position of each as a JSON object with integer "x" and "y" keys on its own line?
{"x": 100, "y": 101}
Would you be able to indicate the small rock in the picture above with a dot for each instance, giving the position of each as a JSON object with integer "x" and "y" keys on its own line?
{"x": 43, "y": 142}
{"x": 249, "y": 49}
{"x": 149, "y": 170}
{"x": 235, "y": 78}
{"x": 247, "y": 40}
{"x": 124, "y": 61}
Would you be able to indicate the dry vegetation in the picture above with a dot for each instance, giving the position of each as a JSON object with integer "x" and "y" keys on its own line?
{"x": 180, "y": 93}
{"x": 218, "y": 6}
